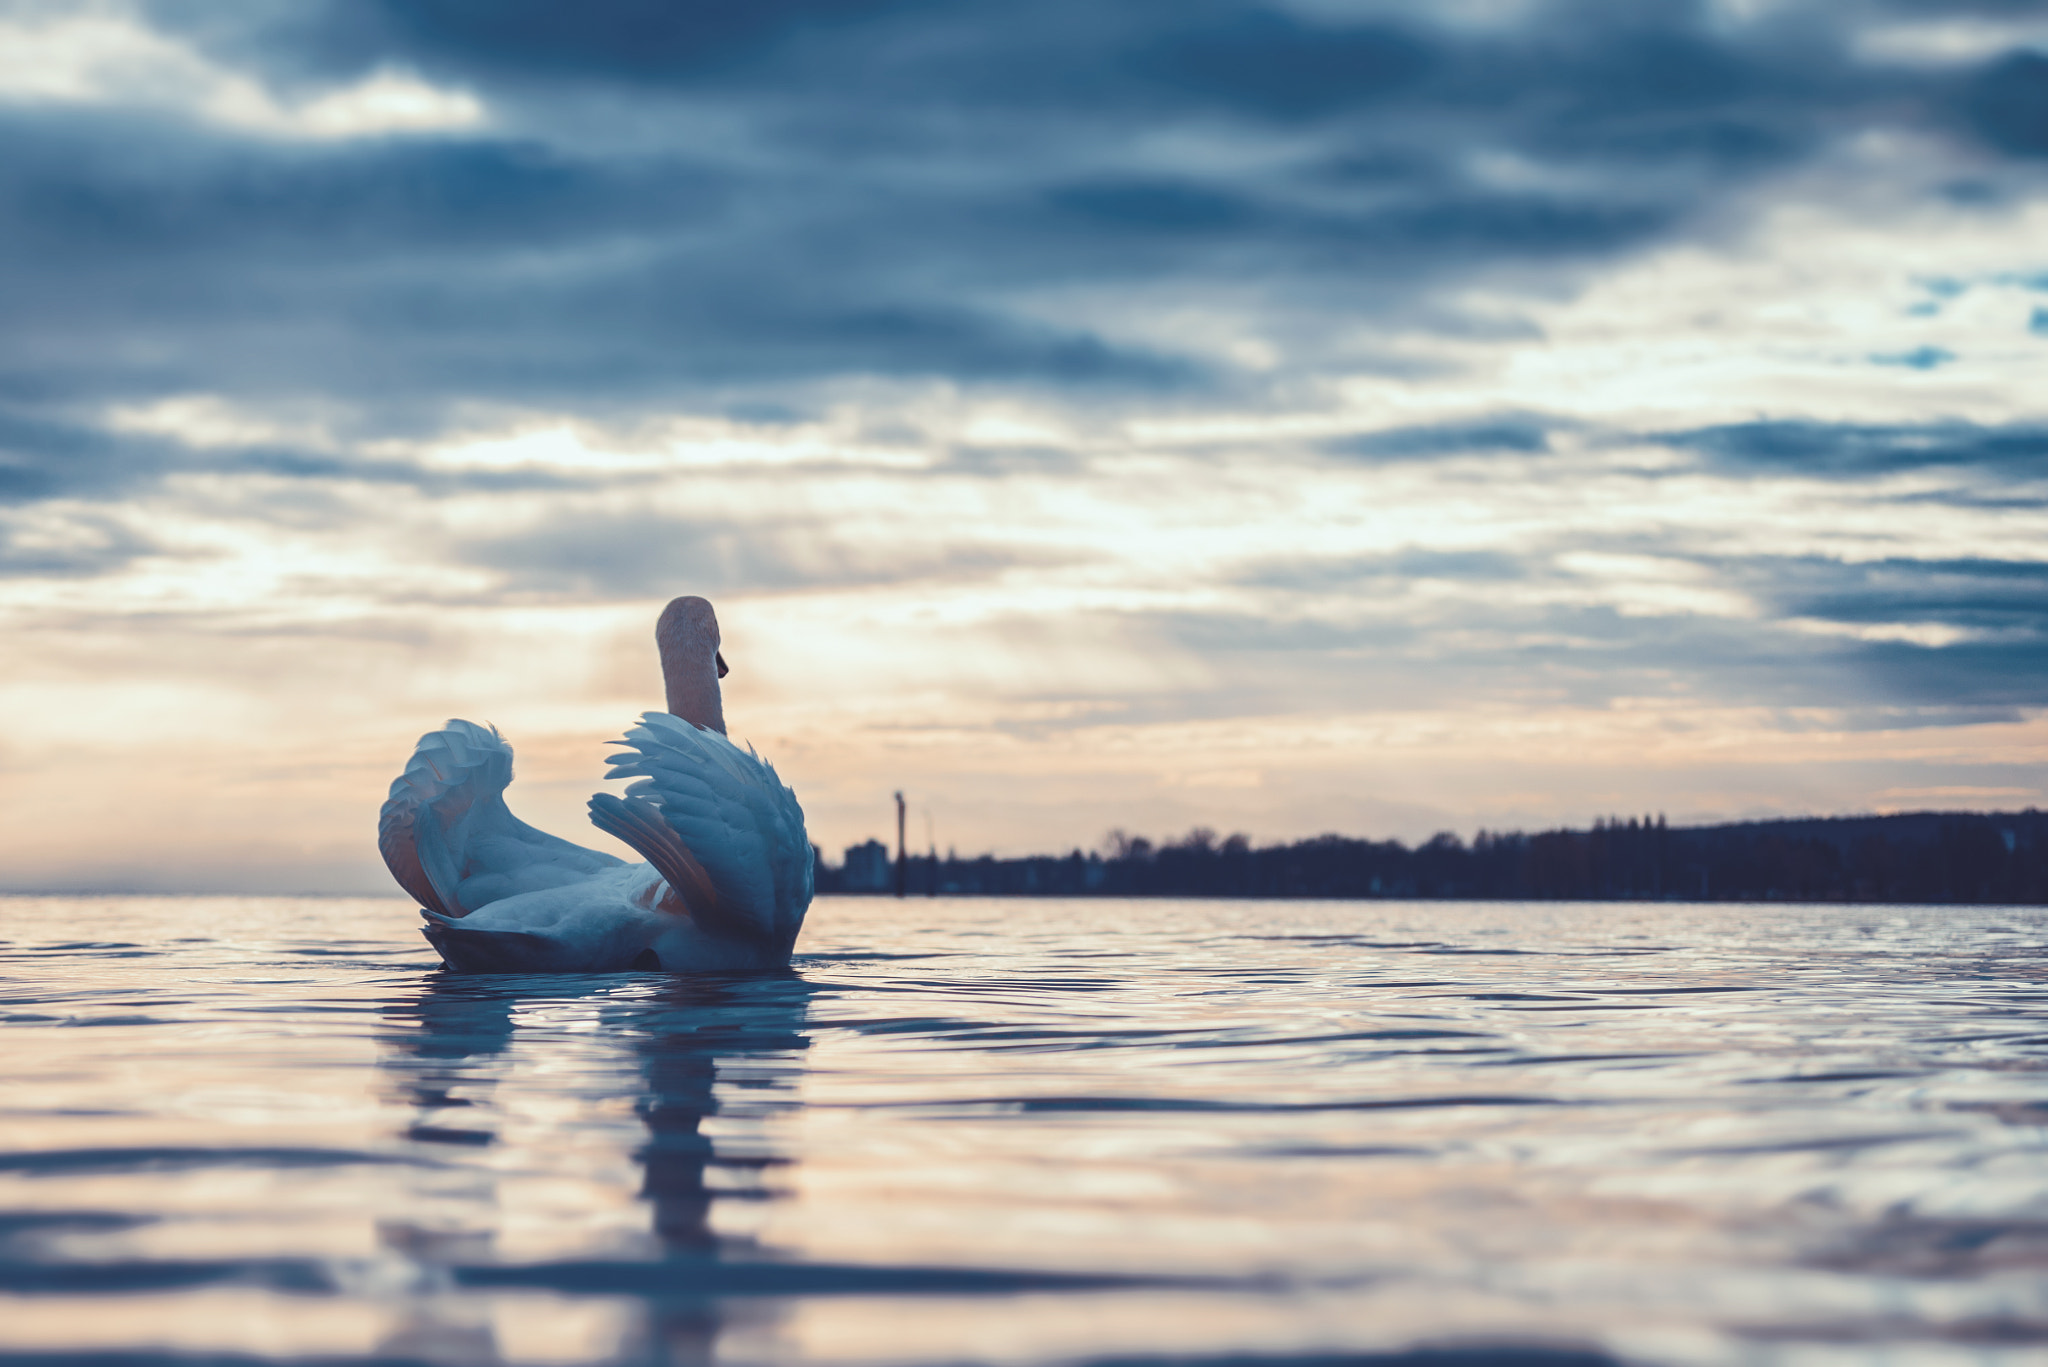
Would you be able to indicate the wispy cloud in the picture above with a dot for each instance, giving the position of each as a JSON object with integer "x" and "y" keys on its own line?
{"x": 99, "y": 56}
{"x": 1850, "y": 450}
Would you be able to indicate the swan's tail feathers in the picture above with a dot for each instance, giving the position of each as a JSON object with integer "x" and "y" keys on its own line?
{"x": 449, "y": 839}
{"x": 696, "y": 792}
{"x": 638, "y": 822}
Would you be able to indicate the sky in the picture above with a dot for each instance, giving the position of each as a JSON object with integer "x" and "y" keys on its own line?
{"x": 1370, "y": 416}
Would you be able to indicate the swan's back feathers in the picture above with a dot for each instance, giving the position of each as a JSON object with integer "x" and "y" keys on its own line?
{"x": 450, "y": 841}
{"x": 732, "y": 812}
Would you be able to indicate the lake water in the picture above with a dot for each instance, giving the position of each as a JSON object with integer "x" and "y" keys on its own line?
{"x": 964, "y": 1131}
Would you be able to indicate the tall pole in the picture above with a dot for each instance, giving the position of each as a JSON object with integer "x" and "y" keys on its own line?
{"x": 901, "y": 867}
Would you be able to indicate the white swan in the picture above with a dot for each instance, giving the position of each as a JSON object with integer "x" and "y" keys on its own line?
{"x": 728, "y": 872}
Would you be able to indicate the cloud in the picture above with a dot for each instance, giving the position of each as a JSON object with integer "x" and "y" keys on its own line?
{"x": 1597, "y": 619}
{"x": 632, "y": 40}
{"x": 806, "y": 193}
{"x": 1508, "y": 432}
{"x": 43, "y": 459}
{"x": 1270, "y": 64}
{"x": 1966, "y": 675}
{"x": 1977, "y": 594}
{"x": 433, "y": 273}
{"x": 641, "y": 555}
{"x": 1949, "y": 631}
{"x": 1960, "y": 633}
{"x": 1849, "y": 450}
{"x": 2008, "y": 104}
{"x": 632, "y": 556}
{"x": 1402, "y": 568}
{"x": 109, "y": 59}
{"x": 1953, "y": 36}
{"x": 73, "y": 545}
{"x": 1919, "y": 358}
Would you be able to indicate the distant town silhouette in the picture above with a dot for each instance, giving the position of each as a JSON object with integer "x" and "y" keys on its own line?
{"x": 1939, "y": 857}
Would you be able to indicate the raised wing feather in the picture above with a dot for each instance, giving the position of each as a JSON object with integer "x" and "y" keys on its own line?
{"x": 731, "y": 812}
{"x": 450, "y": 841}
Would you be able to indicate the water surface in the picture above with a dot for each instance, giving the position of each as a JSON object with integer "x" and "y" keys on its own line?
{"x": 1014, "y": 1131}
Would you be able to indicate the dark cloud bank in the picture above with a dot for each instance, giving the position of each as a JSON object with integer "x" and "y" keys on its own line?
{"x": 680, "y": 202}
{"x": 716, "y": 207}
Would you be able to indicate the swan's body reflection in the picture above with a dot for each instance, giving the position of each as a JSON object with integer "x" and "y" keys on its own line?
{"x": 487, "y": 1068}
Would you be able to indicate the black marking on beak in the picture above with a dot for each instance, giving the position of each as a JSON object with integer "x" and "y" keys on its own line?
{"x": 722, "y": 670}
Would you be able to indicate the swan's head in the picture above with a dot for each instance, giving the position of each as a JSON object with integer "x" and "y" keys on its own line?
{"x": 691, "y": 665}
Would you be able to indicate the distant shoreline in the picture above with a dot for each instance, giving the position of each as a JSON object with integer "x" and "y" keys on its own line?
{"x": 1923, "y": 858}
{"x": 1908, "y": 859}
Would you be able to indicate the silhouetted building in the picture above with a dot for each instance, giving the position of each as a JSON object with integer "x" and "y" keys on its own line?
{"x": 866, "y": 868}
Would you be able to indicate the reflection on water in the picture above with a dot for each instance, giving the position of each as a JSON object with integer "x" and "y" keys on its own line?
{"x": 1085, "y": 1132}
{"x": 449, "y": 1049}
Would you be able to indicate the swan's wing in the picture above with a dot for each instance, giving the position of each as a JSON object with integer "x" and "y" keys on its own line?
{"x": 638, "y": 822}
{"x": 448, "y": 837}
{"x": 698, "y": 798}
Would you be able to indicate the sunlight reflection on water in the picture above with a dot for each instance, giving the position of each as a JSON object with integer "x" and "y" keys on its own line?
{"x": 1034, "y": 1131}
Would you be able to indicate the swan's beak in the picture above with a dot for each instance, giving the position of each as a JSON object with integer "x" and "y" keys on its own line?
{"x": 722, "y": 670}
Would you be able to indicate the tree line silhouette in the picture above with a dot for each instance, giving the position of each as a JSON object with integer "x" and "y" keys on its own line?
{"x": 1985, "y": 857}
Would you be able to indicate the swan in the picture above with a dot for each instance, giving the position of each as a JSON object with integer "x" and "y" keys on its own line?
{"x": 728, "y": 875}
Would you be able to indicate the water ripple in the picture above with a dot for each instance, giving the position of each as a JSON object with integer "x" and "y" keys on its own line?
{"x": 1103, "y": 1133}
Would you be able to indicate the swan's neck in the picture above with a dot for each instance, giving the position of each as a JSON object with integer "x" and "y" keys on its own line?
{"x": 688, "y": 638}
